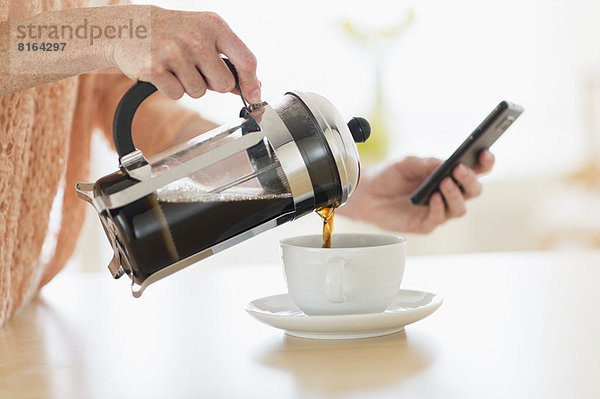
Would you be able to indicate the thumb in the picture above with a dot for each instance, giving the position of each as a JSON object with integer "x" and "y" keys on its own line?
{"x": 251, "y": 90}
{"x": 247, "y": 80}
{"x": 244, "y": 64}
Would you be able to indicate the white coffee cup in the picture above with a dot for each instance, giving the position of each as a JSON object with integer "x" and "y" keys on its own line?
{"x": 360, "y": 273}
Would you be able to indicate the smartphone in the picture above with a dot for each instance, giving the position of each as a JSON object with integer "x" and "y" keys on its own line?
{"x": 483, "y": 137}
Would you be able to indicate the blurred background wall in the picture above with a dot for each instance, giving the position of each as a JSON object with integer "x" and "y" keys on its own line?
{"x": 428, "y": 72}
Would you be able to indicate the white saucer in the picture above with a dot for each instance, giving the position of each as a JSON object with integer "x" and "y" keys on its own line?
{"x": 279, "y": 311}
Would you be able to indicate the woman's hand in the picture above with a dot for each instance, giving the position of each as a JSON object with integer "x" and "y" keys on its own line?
{"x": 184, "y": 56}
{"x": 178, "y": 51}
{"x": 383, "y": 198}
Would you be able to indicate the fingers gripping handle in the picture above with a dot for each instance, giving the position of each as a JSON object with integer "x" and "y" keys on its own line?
{"x": 131, "y": 101}
{"x": 334, "y": 280}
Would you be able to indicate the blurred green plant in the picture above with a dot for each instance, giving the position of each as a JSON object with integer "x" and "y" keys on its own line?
{"x": 373, "y": 41}
{"x": 368, "y": 36}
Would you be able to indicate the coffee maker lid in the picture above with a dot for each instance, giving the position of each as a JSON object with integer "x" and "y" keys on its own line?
{"x": 341, "y": 138}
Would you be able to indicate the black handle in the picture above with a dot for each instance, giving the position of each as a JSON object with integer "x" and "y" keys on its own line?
{"x": 125, "y": 113}
{"x": 130, "y": 103}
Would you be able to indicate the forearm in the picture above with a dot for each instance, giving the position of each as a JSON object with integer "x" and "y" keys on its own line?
{"x": 80, "y": 40}
{"x": 354, "y": 207}
{"x": 194, "y": 126}
{"x": 157, "y": 129}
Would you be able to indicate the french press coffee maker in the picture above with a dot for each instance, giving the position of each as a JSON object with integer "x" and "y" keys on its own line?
{"x": 274, "y": 164}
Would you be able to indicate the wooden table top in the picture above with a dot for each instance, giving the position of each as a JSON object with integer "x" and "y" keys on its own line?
{"x": 515, "y": 325}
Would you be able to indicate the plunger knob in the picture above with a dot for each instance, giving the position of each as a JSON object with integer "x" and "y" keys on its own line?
{"x": 360, "y": 129}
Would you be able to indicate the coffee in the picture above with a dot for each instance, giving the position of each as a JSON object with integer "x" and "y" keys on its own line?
{"x": 182, "y": 219}
{"x": 158, "y": 233}
{"x": 327, "y": 216}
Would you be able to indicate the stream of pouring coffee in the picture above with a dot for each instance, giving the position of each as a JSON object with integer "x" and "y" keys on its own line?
{"x": 327, "y": 216}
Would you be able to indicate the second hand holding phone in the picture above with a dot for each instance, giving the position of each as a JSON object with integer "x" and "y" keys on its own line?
{"x": 482, "y": 138}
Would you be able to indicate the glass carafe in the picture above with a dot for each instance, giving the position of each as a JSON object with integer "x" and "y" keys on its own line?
{"x": 271, "y": 165}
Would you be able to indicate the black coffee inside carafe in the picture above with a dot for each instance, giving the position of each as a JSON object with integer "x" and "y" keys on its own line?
{"x": 157, "y": 233}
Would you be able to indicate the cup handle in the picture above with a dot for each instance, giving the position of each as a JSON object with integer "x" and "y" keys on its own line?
{"x": 334, "y": 280}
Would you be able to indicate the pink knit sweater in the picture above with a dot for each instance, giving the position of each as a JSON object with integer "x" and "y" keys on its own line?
{"x": 44, "y": 150}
